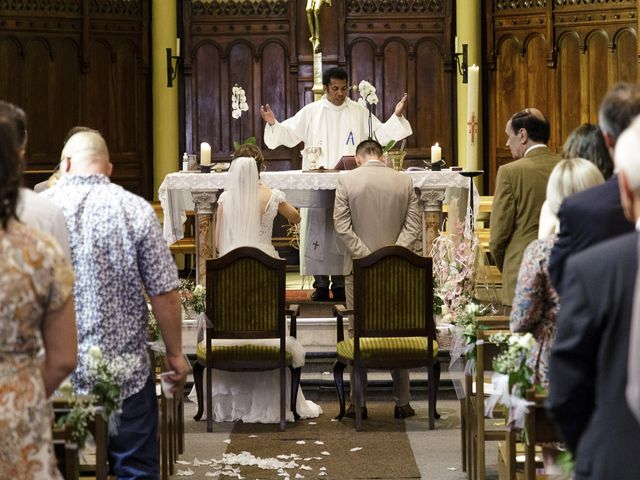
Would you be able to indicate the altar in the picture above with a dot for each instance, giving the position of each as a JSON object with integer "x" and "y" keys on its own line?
{"x": 183, "y": 191}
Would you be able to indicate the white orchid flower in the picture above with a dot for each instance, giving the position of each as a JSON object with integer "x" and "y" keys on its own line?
{"x": 236, "y": 114}
{"x": 199, "y": 290}
{"x": 235, "y": 105}
{"x": 372, "y": 98}
{"x": 244, "y": 106}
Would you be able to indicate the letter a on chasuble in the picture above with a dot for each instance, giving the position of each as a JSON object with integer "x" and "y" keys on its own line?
{"x": 350, "y": 139}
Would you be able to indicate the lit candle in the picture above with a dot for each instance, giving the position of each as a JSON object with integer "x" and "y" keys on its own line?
{"x": 177, "y": 47}
{"x": 205, "y": 154}
{"x": 436, "y": 153}
{"x": 473, "y": 120}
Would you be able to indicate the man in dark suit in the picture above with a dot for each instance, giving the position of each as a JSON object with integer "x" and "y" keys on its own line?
{"x": 594, "y": 215}
{"x": 588, "y": 363}
{"x": 520, "y": 192}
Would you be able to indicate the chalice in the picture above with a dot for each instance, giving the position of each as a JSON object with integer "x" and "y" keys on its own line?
{"x": 313, "y": 154}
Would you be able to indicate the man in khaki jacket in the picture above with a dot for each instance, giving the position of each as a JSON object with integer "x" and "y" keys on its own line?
{"x": 520, "y": 192}
{"x": 375, "y": 207}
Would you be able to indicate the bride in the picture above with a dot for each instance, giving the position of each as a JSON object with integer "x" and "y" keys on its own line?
{"x": 246, "y": 211}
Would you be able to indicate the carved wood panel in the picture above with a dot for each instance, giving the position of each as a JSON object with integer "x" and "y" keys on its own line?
{"x": 80, "y": 62}
{"x": 572, "y": 51}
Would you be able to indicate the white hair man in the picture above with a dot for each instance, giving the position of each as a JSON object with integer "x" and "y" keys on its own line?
{"x": 588, "y": 363}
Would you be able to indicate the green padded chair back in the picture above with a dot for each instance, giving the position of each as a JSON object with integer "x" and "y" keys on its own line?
{"x": 246, "y": 295}
{"x": 393, "y": 294}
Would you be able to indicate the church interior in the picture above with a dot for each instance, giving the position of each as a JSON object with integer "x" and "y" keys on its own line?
{"x": 155, "y": 78}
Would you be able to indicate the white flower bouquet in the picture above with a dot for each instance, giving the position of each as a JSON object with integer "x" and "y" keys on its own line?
{"x": 238, "y": 105}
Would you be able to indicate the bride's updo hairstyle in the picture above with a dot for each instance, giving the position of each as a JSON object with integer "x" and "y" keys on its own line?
{"x": 253, "y": 151}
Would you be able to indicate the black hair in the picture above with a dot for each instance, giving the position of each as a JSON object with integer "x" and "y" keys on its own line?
{"x": 335, "y": 72}
{"x": 369, "y": 147}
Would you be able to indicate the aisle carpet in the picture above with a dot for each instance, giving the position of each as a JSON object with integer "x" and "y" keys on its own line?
{"x": 322, "y": 448}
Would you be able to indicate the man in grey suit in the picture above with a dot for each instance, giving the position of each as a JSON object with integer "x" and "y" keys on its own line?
{"x": 375, "y": 207}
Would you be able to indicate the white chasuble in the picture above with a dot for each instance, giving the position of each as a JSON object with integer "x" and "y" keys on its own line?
{"x": 337, "y": 130}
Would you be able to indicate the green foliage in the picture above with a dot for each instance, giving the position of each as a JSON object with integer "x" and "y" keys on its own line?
{"x": 250, "y": 141}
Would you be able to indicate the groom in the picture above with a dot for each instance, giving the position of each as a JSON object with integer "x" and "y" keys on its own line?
{"x": 363, "y": 227}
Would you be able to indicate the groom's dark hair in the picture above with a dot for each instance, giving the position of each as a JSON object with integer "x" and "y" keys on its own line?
{"x": 335, "y": 72}
{"x": 369, "y": 147}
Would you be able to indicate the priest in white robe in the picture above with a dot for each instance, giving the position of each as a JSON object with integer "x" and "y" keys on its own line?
{"x": 336, "y": 124}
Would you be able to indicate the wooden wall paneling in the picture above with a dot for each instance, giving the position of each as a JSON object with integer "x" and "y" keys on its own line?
{"x": 81, "y": 62}
{"x": 625, "y": 43}
{"x": 538, "y": 77}
{"x": 570, "y": 104}
{"x": 38, "y": 64}
{"x": 599, "y": 68}
{"x": 431, "y": 114}
{"x": 241, "y": 62}
{"x": 207, "y": 97}
{"x": 244, "y": 43}
{"x": 410, "y": 38}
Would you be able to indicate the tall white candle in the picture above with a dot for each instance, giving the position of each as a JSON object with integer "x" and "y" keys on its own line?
{"x": 473, "y": 120}
{"x": 436, "y": 153}
{"x": 205, "y": 154}
{"x": 177, "y": 47}
{"x": 456, "y": 47}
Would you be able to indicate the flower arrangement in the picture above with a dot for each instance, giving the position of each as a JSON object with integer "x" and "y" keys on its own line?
{"x": 514, "y": 375}
{"x": 238, "y": 105}
{"x": 455, "y": 261}
{"x": 192, "y": 296}
{"x": 367, "y": 98}
{"x": 106, "y": 377}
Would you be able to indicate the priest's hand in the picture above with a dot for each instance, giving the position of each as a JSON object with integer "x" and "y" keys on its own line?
{"x": 267, "y": 114}
{"x": 401, "y": 106}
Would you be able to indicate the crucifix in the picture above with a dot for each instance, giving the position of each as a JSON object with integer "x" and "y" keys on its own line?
{"x": 473, "y": 127}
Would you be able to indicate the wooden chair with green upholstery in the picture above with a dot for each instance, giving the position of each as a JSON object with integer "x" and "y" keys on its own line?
{"x": 246, "y": 300}
{"x": 392, "y": 319}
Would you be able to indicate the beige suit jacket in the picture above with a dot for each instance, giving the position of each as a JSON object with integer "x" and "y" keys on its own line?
{"x": 520, "y": 192}
{"x": 375, "y": 207}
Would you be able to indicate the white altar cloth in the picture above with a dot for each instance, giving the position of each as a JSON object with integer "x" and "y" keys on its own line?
{"x": 303, "y": 189}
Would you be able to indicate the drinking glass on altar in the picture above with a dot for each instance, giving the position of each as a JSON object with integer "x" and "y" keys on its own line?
{"x": 313, "y": 154}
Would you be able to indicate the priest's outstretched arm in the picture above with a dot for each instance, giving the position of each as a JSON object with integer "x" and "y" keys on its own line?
{"x": 286, "y": 133}
{"x": 396, "y": 127}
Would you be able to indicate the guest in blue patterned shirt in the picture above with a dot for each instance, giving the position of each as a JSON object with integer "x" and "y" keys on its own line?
{"x": 118, "y": 253}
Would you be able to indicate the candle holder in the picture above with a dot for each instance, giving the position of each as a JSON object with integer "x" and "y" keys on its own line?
{"x": 464, "y": 64}
{"x": 471, "y": 174}
{"x": 205, "y": 168}
{"x": 172, "y": 72}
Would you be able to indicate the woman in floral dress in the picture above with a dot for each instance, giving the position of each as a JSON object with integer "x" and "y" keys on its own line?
{"x": 536, "y": 304}
{"x": 37, "y": 329}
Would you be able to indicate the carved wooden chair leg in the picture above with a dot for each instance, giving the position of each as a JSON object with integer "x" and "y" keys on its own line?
{"x": 198, "y": 381}
{"x": 295, "y": 385}
{"x": 338, "y": 378}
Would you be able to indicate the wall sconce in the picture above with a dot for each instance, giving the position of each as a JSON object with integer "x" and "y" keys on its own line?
{"x": 172, "y": 71}
{"x": 462, "y": 65}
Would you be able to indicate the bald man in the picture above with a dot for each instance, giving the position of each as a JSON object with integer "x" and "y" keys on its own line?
{"x": 118, "y": 253}
{"x": 520, "y": 192}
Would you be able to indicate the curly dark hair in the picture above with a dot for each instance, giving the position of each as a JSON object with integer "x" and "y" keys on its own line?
{"x": 335, "y": 72}
{"x": 587, "y": 142}
{"x": 10, "y": 171}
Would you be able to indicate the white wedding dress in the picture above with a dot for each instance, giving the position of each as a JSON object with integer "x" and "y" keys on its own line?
{"x": 254, "y": 397}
